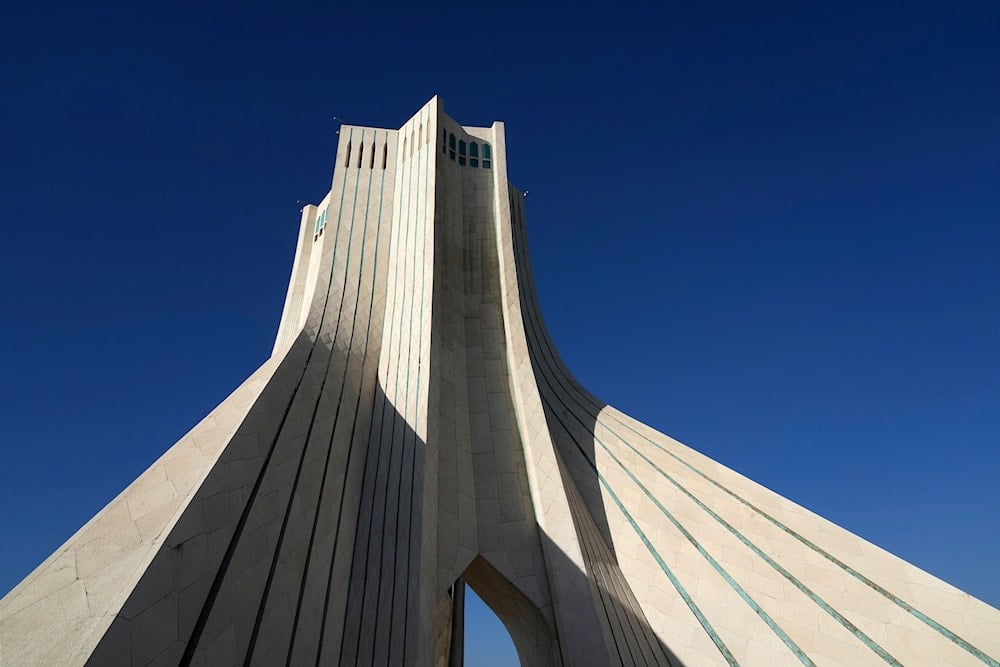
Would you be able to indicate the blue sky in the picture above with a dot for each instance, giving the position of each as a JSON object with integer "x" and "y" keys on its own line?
{"x": 770, "y": 231}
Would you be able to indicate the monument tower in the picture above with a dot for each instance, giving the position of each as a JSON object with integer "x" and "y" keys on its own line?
{"x": 414, "y": 431}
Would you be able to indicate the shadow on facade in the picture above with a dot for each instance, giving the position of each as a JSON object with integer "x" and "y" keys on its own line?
{"x": 571, "y": 414}
{"x": 631, "y": 641}
{"x": 385, "y": 616}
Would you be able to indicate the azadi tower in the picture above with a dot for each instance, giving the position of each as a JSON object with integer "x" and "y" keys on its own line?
{"x": 414, "y": 431}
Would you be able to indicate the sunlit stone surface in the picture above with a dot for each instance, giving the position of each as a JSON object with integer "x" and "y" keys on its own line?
{"x": 415, "y": 431}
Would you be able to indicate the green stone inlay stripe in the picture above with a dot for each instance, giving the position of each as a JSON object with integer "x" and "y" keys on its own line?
{"x": 860, "y": 577}
{"x": 819, "y": 601}
{"x": 726, "y": 653}
{"x": 868, "y": 641}
{"x": 847, "y": 624}
{"x": 916, "y": 613}
{"x": 793, "y": 647}
{"x": 701, "y": 550}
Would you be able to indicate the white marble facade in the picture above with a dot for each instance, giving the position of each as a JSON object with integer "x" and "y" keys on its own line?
{"x": 414, "y": 427}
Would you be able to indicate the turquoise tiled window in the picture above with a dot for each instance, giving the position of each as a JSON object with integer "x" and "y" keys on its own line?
{"x": 320, "y": 222}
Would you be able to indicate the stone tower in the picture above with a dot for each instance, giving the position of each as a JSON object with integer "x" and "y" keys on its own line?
{"x": 414, "y": 431}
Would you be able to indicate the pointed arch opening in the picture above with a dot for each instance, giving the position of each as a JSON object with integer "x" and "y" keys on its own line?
{"x": 480, "y": 588}
{"x": 485, "y": 634}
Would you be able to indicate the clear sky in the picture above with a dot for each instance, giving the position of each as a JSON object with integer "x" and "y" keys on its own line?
{"x": 769, "y": 230}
